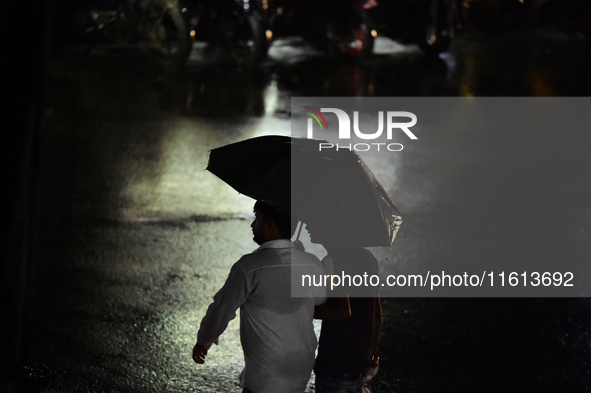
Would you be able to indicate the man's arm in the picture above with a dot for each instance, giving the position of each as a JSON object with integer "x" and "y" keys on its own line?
{"x": 377, "y": 327}
{"x": 337, "y": 306}
{"x": 226, "y": 301}
{"x": 376, "y": 307}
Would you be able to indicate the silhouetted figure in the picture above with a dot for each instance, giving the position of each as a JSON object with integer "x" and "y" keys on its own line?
{"x": 347, "y": 357}
{"x": 276, "y": 329}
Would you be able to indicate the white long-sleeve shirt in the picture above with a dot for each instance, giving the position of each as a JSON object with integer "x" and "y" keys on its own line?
{"x": 276, "y": 329}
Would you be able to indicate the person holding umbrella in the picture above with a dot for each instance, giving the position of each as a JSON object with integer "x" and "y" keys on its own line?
{"x": 276, "y": 329}
{"x": 347, "y": 357}
{"x": 345, "y": 209}
{"x": 335, "y": 193}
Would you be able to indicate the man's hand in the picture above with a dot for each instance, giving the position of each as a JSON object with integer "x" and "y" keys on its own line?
{"x": 199, "y": 353}
{"x": 299, "y": 245}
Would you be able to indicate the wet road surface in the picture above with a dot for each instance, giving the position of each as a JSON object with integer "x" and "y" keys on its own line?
{"x": 132, "y": 237}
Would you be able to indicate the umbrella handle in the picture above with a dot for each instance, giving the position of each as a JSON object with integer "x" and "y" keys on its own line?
{"x": 297, "y": 241}
{"x": 301, "y": 224}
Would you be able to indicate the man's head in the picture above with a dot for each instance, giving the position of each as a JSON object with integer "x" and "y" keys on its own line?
{"x": 270, "y": 224}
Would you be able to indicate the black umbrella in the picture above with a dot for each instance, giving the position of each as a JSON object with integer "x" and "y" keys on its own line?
{"x": 258, "y": 168}
{"x": 334, "y": 191}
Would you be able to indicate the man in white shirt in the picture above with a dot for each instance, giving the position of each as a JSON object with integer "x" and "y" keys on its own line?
{"x": 276, "y": 329}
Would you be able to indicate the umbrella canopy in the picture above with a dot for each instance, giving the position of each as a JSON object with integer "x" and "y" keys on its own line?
{"x": 332, "y": 191}
{"x": 258, "y": 167}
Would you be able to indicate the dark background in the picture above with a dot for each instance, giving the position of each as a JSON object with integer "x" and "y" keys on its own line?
{"x": 101, "y": 328}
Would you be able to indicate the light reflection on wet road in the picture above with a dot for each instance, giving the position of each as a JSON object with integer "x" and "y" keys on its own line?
{"x": 133, "y": 237}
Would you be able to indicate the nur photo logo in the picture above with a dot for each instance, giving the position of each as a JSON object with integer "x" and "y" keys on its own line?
{"x": 394, "y": 123}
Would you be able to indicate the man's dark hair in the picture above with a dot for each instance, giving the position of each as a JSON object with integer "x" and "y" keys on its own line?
{"x": 283, "y": 221}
